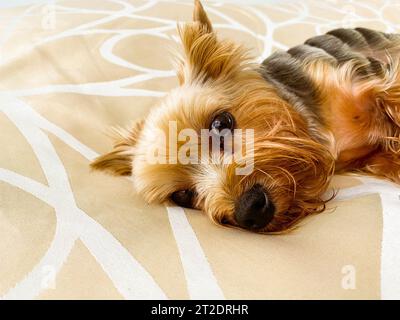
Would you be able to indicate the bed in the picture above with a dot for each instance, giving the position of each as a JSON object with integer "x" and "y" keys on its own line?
{"x": 69, "y": 70}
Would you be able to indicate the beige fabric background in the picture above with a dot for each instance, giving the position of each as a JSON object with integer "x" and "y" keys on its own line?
{"x": 71, "y": 69}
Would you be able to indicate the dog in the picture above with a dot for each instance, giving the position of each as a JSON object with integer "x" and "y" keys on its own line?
{"x": 330, "y": 105}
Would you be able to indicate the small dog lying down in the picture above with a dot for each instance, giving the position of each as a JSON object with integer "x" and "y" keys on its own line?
{"x": 330, "y": 105}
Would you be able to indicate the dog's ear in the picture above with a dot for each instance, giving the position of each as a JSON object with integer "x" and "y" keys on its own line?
{"x": 200, "y": 16}
{"x": 119, "y": 160}
{"x": 204, "y": 56}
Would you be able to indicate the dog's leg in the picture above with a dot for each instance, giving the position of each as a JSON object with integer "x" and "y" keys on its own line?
{"x": 385, "y": 161}
{"x": 383, "y": 164}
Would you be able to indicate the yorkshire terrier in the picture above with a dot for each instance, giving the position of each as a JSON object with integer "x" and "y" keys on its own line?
{"x": 330, "y": 105}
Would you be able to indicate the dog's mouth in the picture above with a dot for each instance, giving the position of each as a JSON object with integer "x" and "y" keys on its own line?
{"x": 254, "y": 210}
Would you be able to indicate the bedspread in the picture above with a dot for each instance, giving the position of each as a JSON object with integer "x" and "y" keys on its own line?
{"x": 69, "y": 70}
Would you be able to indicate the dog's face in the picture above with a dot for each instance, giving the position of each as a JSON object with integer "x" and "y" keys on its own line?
{"x": 277, "y": 176}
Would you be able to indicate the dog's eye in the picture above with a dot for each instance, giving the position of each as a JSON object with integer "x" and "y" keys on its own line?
{"x": 222, "y": 121}
{"x": 183, "y": 198}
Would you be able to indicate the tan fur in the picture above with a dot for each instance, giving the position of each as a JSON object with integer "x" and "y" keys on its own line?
{"x": 363, "y": 115}
{"x": 119, "y": 160}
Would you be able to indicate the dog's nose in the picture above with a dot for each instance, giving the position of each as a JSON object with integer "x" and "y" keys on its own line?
{"x": 254, "y": 210}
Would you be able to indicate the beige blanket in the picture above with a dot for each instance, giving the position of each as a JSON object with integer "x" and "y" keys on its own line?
{"x": 71, "y": 69}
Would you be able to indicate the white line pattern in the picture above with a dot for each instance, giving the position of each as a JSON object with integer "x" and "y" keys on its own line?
{"x": 128, "y": 276}
{"x": 201, "y": 282}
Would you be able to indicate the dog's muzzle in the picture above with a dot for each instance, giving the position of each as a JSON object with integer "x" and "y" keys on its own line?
{"x": 253, "y": 209}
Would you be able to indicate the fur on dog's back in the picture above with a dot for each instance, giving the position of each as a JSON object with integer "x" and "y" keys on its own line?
{"x": 368, "y": 49}
{"x": 344, "y": 84}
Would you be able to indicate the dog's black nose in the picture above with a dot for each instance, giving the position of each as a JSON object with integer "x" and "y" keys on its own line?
{"x": 254, "y": 210}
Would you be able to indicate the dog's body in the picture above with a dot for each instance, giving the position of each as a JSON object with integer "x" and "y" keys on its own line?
{"x": 346, "y": 83}
{"x": 331, "y": 104}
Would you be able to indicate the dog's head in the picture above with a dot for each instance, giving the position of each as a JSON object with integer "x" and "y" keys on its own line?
{"x": 224, "y": 142}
